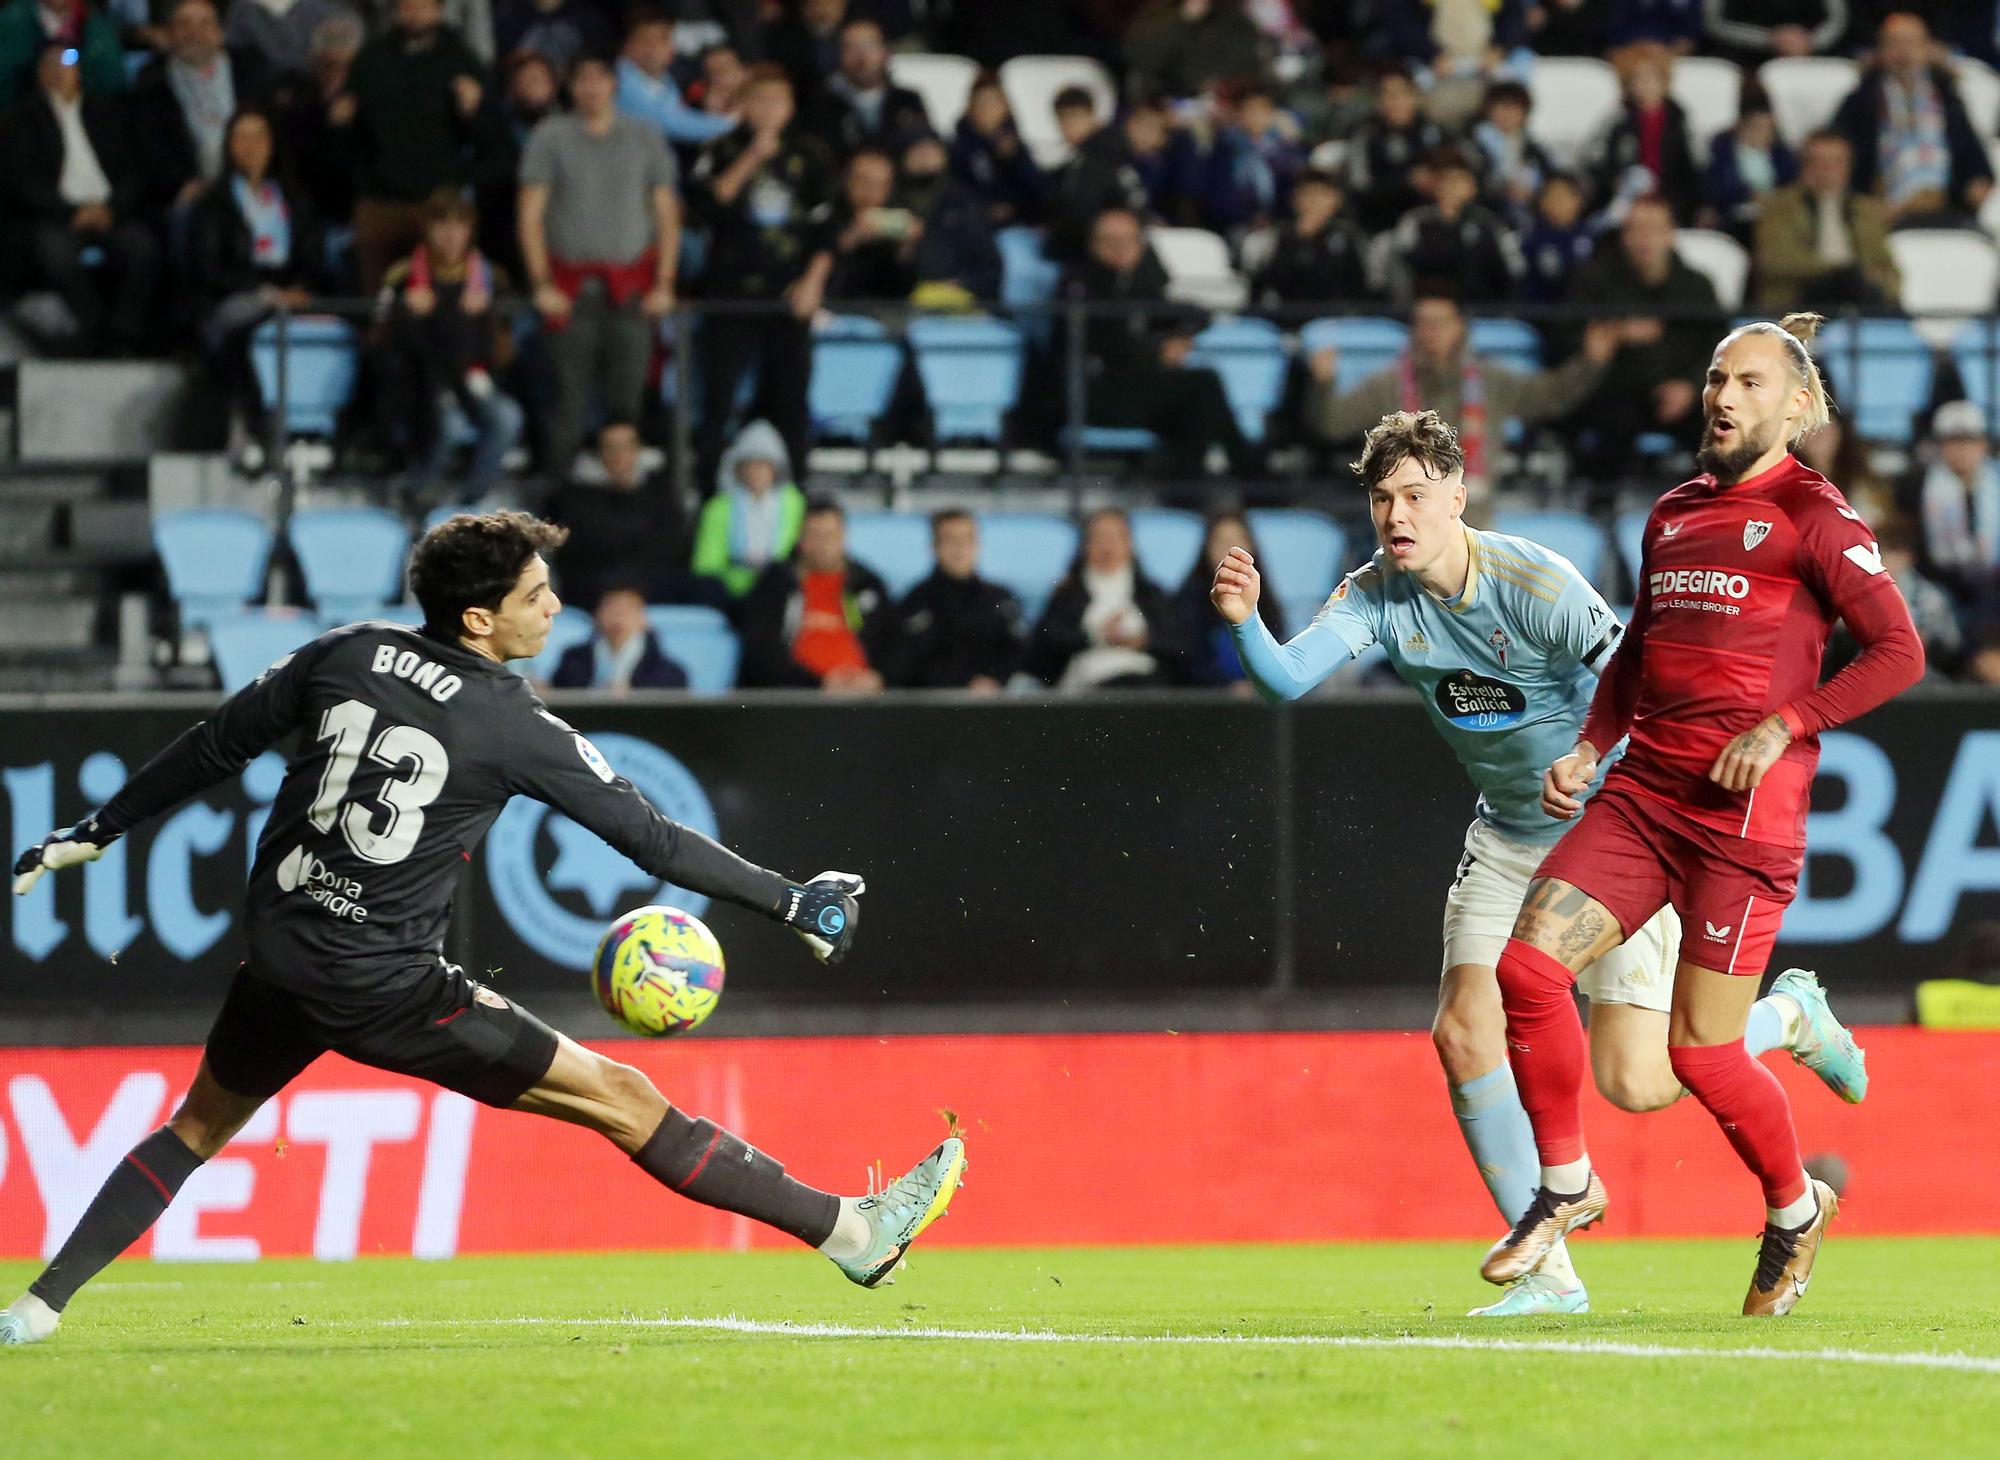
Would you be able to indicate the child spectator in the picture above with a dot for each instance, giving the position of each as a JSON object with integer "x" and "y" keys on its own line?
{"x": 1320, "y": 255}
{"x": 1386, "y": 152}
{"x": 1557, "y": 243}
{"x": 1454, "y": 241}
{"x": 1515, "y": 164}
{"x": 1746, "y": 164}
{"x": 753, "y": 519}
{"x": 988, "y": 157}
{"x": 1244, "y": 175}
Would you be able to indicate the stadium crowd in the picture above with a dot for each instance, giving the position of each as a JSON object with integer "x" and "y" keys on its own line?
{"x": 526, "y": 189}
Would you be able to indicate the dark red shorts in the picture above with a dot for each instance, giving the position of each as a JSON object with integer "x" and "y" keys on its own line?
{"x": 1635, "y": 854}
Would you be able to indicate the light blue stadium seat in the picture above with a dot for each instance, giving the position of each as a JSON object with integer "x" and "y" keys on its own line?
{"x": 247, "y": 642}
{"x": 700, "y": 640}
{"x": 1249, "y": 356}
{"x": 1300, "y": 555}
{"x": 1115, "y": 439}
{"x": 1979, "y": 366}
{"x": 352, "y": 558}
{"x": 971, "y": 369}
{"x": 1365, "y": 344}
{"x": 1509, "y": 342}
{"x": 897, "y": 545}
{"x": 1574, "y": 535}
{"x": 1881, "y": 372}
{"x": 1167, "y": 540}
{"x": 572, "y": 626}
{"x": 1630, "y": 534}
{"x": 854, "y": 370}
{"x": 1026, "y": 276}
{"x": 214, "y": 558}
{"x": 321, "y": 364}
{"x": 1026, "y": 552}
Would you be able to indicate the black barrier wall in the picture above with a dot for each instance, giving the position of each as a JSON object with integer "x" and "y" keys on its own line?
{"x": 1114, "y": 848}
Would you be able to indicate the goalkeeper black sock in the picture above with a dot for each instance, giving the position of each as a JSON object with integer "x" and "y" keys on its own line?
{"x": 705, "y": 1163}
{"x": 129, "y": 1202}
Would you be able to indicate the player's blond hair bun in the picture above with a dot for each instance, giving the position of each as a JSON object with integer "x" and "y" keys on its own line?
{"x": 1796, "y": 331}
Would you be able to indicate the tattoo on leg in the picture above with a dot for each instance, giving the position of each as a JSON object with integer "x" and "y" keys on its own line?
{"x": 1582, "y": 935}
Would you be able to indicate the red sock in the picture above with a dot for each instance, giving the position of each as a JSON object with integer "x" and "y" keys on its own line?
{"x": 1750, "y": 1105}
{"x": 1545, "y": 1045}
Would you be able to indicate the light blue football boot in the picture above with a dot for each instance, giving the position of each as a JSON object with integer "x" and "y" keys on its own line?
{"x": 28, "y": 1320}
{"x": 898, "y": 1214}
{"x": 1824, "y": 1046}
{"x": 1534, "y": 1296}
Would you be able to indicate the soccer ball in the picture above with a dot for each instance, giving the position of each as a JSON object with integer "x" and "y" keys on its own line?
{"x": 657, "y": 971}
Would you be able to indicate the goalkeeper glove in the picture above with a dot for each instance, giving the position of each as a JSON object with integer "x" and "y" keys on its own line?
{"x": 824, "y": 913}
{"x": 84, "y": 842}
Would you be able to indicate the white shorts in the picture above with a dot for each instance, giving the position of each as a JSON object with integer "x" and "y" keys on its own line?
{"x": 1486, "y": 897}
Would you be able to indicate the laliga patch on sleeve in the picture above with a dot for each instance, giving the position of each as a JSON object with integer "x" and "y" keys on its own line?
{"x": 277, "y": 666}
{"x": 599, "y": 766}
{"x": 1868, "y": 559}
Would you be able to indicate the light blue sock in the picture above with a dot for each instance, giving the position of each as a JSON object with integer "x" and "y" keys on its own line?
{"x": 1766, "y": 1029}
{"x": 1502, "y": 1142}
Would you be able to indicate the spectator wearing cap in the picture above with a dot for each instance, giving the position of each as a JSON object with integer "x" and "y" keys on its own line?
{"x": 1099, "y": 173}
{"x": 819, "y": 620}
{"x": 415, "y": 107}
{"x": 988, "y": 156}
{"x": 600, "y": 229}
{"x": 1914, "y": 143}
{"x": 1818, "y": 241}
{"x": 766, "y": 193}
{"x": 1438, "y": 372}
{"x": 1318, "y": 255}
{"x": 1958, "y": 503}
{"x": 1177, "y": 48}
{"x": 182, "y": 103}
{"x": 562, "y": 30}
{"x": 1385, "y": 154}
{"x": 68, "y": 158}
{"x": 1746, "y": 165}
{"x": 1453, "y": 240}
{"x": 859, "y": 105}
{"x": 626, "y": 528}
{"x": 1648, "y": 151}
{"x": 26, "y": 26}
{"x": 622, "y": 653}
{"x": 647, "y": 89}
{"x": 955, "y": 629}
{"x": 278, "y": 32}
{"x": 1515, "y": 162}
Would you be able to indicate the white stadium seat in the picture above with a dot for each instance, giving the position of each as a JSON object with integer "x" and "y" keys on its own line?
{"x": 1198, "y": 267}
{"x": 1719, "y": 256}
{"x": 944, "y": 82}
{"x": 1031, "y": 84}
{"x": 1574, "y": 100}
{"x": 1979, "y": 89}
{"x": 1710, "y": 91}
{"x": 1946, "y": 271}
{"x": 1806, "y": 91}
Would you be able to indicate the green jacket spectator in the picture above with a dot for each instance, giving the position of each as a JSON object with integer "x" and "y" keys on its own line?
{"x": 753, "y": 519}
{"x": 100, "y": 58}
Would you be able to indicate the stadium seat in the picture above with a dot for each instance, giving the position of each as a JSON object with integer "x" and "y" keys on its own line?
{"x": 700, "y": 640}
{"x": 1031, "y": 84}
{"x": 970, "y": 366}
{"x": 214, "y": 559}
{"x": 1979, "y": 89}
{"x": 854, "y": 371}
{"x": 1511, "y": 342}
{"x": 1574, "y": 535}
{"x": 1948, "y": 272}
{"x": 352, "y": 559}
{"x": 1198, "y": 267}
{"x": 1714, "y": 253}
{"x": 246, "y": 642}
{"x": 1806, "y": 91}
{"x": 1167, "y": 541}
{"x": 1879, "y": 371}
{"x": 1114, "y": 440}
{"x": 1710, "y": 91}
{"x": 1027, "y": 276}
{"x": 1364, "y": 344}
{"x": 321, "y": 362}
{"x": 944, "y": 82}
{"x": 571, "y": 626}
{"x": 1301, "y": 554}
{"x": 443, "y": 514}
{"x": 1026, "y": 553}
{"x": 1249, "y": 355}
{"x": 1573, "y": 101}
{"x": 1630, "y": 533}
{"x": 896, "y": 545}
{"x": 1974, "y": 352}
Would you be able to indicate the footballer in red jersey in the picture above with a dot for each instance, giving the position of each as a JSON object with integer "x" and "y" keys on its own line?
{"x": 1746, "y": 570}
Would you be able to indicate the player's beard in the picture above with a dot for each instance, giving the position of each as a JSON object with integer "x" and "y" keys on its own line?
{"x": 1728, "y": 463}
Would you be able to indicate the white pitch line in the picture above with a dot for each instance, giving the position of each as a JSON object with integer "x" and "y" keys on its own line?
{"x": 1589, "y": 1348}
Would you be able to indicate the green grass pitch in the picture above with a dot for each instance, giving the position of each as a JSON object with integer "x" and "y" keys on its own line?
{"x": 568, "y": 1356}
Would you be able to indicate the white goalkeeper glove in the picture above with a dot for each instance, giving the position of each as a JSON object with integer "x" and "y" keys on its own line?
{"x": 84, "y": 842}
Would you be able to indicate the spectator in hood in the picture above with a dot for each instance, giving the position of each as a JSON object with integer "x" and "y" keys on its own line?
{"x": 754, "y": 517}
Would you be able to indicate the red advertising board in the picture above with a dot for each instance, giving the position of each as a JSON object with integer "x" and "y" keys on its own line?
{"x": 1072, "y": 1139}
